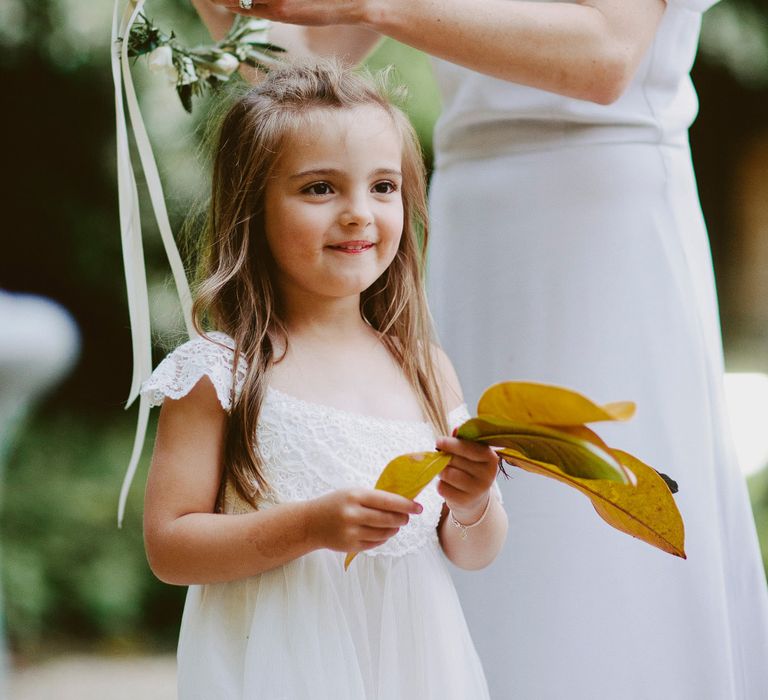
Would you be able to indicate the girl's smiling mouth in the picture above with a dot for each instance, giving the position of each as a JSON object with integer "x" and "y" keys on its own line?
{"x": 352, "y": 247}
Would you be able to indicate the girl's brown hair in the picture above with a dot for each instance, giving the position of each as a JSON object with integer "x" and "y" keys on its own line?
{"x": 237, "y": 294}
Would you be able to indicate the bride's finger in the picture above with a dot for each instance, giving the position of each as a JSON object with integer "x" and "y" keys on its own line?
{"x": 244, "y": 8}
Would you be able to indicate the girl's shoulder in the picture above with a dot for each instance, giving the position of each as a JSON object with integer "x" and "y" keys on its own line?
{"x": 210, "y": 355}
{"x": 448, "y": 380}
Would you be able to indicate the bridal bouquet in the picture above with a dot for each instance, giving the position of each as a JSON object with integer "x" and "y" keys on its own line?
{"x": 195, "y": 70}
{"x": 542, "y": 429}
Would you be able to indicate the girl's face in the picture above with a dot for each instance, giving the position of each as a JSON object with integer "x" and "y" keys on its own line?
{"x": 333, "y": 208}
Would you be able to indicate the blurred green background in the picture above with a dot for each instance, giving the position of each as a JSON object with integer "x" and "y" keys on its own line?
{"x": 71, "y": 579}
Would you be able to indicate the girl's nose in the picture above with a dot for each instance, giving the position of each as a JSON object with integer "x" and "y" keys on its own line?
{"x": 356, "y": 213}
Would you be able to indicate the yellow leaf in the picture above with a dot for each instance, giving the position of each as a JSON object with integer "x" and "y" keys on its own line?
{"x": 407, "y": 475}
{"x": 565, "y": 448}
{"x": 645, "y": 509}
{"x": 544, "y": 404}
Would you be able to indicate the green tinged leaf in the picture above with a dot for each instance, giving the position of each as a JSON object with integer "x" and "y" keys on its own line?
{"x": 572, "y": 454}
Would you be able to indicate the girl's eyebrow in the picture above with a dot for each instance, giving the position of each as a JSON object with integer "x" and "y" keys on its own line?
{"x": 324, "y": 172}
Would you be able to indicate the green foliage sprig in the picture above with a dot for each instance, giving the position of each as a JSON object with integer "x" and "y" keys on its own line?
{"x": 195, "y": 70}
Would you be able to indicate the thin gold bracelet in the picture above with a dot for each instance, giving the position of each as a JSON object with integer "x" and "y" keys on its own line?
{"x": 464, "y": 529}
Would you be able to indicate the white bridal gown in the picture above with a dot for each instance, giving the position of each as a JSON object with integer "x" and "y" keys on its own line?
{"x": 568, "y": 247}
{"x": 390, "y": 628}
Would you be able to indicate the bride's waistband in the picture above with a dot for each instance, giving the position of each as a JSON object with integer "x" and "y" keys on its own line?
{"x": 517, "y": 136}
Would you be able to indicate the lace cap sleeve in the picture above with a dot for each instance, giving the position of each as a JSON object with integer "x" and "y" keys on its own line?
{"x": 210, "y": 356}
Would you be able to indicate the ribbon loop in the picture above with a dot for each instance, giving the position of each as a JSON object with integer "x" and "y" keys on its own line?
{"x": 130, "y": 228}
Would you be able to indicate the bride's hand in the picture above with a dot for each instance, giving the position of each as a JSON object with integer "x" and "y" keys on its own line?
{"x": 305, "y": 12}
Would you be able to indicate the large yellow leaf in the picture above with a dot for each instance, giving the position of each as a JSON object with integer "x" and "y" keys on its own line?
{"x": 407, "y": 475}
{"x": 645, "y": 509}
{"x": 569, "y": 451}
{"x": 544, "y": 404}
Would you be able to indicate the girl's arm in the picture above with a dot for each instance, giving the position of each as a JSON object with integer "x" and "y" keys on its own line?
{"x": 351, "y": 43}
{"x": 466, "y": 484}
{"x": 588, "y": 49}
{"x": 188, "y": 543}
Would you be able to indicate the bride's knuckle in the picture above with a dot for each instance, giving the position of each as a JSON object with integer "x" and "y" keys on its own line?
{"x": 279, "y": 10}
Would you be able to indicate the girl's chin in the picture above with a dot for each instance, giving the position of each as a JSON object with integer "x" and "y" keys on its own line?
{"x": 349, "y": 288}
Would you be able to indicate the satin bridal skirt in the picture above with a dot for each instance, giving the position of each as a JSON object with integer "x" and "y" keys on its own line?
{"x": 390, "y": 628}
{"x": 589, "y": 267}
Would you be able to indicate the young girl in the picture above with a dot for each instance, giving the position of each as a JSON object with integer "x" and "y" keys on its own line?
{"x": 275, "y": 426}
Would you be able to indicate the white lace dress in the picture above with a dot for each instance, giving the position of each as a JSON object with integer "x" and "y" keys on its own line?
{"x": 390, "y": 628}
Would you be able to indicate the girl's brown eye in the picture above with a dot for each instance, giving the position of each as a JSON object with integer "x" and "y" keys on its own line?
{"x": 385, "y": 187}
{"x": 318, "y": 188}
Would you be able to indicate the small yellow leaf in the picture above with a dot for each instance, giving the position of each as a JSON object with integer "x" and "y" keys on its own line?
{"x": 645, "y": 509}
{"x": 407, "y": 475}
{"x": 544, "y": 404}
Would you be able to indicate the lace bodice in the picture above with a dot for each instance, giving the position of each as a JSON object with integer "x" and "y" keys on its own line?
{"x": 308, "y": 448}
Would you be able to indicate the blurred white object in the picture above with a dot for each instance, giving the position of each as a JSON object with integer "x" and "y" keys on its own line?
{"x": 38, "y": 345}
{"x": 746, "y": 394}
{"x": 81, "y": 677}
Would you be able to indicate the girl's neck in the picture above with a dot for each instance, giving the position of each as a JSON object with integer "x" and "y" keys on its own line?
{"x": 335, "y": 358}
{"x": 321, "y": 320}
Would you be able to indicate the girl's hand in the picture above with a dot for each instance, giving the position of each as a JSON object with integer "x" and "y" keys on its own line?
{"x": 353, "y": 520}
{"x": 466, "y": 482}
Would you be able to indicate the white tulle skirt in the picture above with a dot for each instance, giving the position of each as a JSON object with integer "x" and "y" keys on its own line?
{"x": 390, "y": 628}
{"x": 589, "y": 267}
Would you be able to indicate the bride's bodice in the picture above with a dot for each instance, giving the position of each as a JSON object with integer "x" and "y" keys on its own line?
{"x": 309, "y": 449}
{"x": 485, "y": 117}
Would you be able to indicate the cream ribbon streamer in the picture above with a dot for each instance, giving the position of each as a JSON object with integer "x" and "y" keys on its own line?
{"x": 130, "y": 228}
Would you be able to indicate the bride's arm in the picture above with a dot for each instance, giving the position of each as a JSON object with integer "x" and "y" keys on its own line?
{"x": 350, "y": 43}
{"x": 587, "y": 49}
